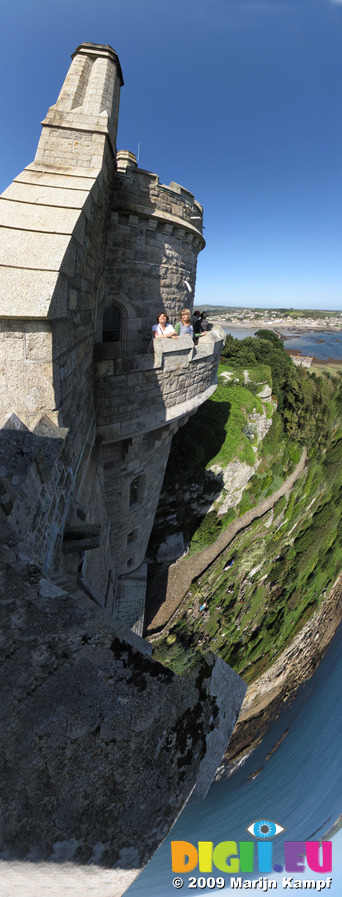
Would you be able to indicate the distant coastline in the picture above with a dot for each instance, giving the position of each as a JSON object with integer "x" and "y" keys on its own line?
{"x": 318, "y": 344}
{"x": 281, "y": 329}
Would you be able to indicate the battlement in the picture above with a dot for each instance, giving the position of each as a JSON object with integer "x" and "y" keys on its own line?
{"x": 142, "y": 193}
{"x": 91, "y": 253}
{"x": 92, "y": 250}
{"x": 144, "y": 392}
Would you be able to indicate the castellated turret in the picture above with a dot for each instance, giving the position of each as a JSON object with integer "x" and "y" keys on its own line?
{"x": 92, "y": 250}
{"x": 101, "y": 745}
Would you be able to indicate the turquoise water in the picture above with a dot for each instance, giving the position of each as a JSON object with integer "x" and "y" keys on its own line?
{"x": 299, "y": 786}
{"x": 322, "y": 344}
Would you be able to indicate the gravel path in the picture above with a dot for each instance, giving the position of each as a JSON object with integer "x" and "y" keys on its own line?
{"x": 187, "y": 569}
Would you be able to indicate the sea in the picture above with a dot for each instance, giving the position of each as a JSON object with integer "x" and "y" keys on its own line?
{"x": 293, "y": 778}
{"x": 298, "y": 786}
{"x": 321, "y": 344}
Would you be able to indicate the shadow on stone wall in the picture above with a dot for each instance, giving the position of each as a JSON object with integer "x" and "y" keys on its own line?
{"x": 187, "y": 495}
{"x": 27, "y": 460}
{"x": 100, "y": 746}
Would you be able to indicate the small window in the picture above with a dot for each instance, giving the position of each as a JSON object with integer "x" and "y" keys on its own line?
{"x": 111, "y": 325}
{"x": 131, "y": 537}
{"x": 136, "y": 490}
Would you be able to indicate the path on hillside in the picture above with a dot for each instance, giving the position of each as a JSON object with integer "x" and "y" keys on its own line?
{"x": 189, "y": 568}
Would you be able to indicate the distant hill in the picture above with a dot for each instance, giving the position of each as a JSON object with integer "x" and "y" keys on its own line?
{"x": 282, "y": 312}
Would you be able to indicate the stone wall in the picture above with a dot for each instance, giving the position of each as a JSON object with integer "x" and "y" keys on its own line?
{"x": 172, "y": 383}
{"x": 152, "y": 389}
{"x": 53, "y": 222}
{"x": 47, "y": 309}
{"x": 52, "y": 244}
{"x": 45, "y": 487}
{"x": 154, "y": 238}
{"x": 101, "y": 745}
{"x": 77, "y": 237}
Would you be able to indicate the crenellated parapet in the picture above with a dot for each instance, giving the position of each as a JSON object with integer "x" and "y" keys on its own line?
{"x": 92, "y": 250}
{"x": 144, "y": 392}
{"x": 154, "y": 238}
{"x": 140, "y": 191}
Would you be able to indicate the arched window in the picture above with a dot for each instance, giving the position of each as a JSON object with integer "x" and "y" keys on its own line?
{"x": 111, "y": 325}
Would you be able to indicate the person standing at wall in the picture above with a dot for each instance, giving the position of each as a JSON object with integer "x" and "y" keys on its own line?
{"x": 204, "y": 323}
{"x": 162, "y": 328}
{"x": 184, "y": 325}
{"x": 196, "y": 322}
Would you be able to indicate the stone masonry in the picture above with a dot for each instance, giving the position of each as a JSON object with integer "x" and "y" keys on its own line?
{"x": 85, "y": 234}
{"x": 92, "y": 249}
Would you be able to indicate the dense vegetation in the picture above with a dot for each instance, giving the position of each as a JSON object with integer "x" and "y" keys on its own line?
{"x": 302, "y": 400}
{"x": 221, "y": 431}
{"x": 259, "y": 593}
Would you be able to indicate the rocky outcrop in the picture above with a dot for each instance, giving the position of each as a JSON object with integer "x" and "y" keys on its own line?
{"x": 173, "y": 547}
{"x": 236, "y": 476}
{"x": 180, "y": 509}
{"x": 216, "y": 489}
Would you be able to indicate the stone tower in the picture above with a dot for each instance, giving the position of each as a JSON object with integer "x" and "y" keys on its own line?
{"x": 92, "y": 249}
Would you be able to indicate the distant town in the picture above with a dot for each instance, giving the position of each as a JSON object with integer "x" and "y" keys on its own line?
{"x": 277, "y": 318}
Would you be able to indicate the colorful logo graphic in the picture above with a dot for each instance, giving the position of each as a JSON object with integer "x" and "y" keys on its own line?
{"x": 232, "y": 856}
{"x": 265, "y": 829}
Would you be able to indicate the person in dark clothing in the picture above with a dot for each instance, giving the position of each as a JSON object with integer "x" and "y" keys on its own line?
{"x": 196, "y": 322}
{"x": 204, "y": 323}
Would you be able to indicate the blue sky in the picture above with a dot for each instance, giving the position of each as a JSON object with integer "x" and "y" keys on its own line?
{"x": 237, "y": 100}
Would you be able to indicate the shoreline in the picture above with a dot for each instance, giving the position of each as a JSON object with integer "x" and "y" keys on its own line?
{"x": 292, "y": 330}
{"x": 317, "y": 362}
{"x": 279, "y": 327}
{"x": 280, "y": 684}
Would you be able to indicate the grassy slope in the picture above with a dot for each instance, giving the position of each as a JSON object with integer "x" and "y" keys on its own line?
{"x": 253, "y": 600}
{"x": 277, "y": 458}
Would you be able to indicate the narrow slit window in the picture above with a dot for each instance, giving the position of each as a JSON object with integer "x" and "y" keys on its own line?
{"x": 135, "y": 490}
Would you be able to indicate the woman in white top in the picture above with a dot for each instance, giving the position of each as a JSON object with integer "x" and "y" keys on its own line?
{"x": 162, "y": 328}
